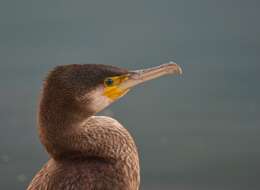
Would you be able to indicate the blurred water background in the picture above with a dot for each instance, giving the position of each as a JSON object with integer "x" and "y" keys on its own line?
{"x": 199, "y": 131}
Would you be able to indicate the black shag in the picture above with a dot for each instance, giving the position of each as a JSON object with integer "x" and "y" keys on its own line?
{"x": 88, "y": 152}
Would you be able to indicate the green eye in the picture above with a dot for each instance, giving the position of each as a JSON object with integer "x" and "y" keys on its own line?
{"x": 109, "y": 82}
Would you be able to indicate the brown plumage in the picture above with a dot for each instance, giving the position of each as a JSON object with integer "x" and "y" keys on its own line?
{"x": 87, "y": 152}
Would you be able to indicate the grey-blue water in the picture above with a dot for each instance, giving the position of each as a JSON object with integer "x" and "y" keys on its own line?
{"x": 194, "y": 132}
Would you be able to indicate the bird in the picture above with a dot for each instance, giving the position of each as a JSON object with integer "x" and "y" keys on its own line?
{"x": 88, "y": 152}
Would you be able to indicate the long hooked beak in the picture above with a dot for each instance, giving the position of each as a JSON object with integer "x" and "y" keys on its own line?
{"x": 141, "y": 76}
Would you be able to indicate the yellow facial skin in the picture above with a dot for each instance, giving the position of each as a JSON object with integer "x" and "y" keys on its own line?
{"x": 112, "y": 90}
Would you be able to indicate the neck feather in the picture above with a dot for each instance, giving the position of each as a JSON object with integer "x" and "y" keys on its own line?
{"x": 66, "y": 133}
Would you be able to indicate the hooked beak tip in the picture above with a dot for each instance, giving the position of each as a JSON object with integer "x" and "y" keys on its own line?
{"x": 172, "y": 68}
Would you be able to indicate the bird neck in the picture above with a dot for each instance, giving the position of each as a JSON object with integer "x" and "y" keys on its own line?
{"x": 67, "y": 133}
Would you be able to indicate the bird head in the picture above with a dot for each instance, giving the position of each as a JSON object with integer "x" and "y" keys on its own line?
{"x": 94, "y": 87}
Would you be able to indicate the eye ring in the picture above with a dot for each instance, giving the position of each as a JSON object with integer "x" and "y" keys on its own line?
{"x": 109, "y": 82}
